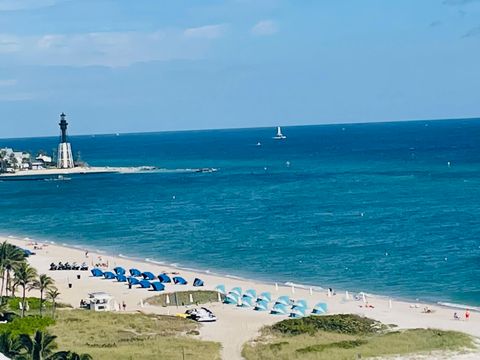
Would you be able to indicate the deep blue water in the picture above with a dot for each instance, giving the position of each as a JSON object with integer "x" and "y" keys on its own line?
{"x": 259, "y": 217}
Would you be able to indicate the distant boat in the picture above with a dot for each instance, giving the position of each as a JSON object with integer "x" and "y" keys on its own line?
{"x": 259, "y": 143}
{"x": 279, "y": 135}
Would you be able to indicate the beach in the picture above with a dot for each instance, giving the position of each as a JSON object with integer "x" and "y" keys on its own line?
{"x": 235, "y": 325}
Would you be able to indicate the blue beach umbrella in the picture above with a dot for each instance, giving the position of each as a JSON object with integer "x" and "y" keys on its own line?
{"x": 109, "y": 275}
{"x": 164, "y": 278}
{"x": 121, "y": 278}
{"x": 250, "y": 293}
{"x": 198, "y": 282}
{"x": 145, "y": 284}
{"x": 132, "y": 280}
{"x": 157, "y": 286}
{"x": 320, "y": 309}
{"x": 96, "y": 272}
{"x": 135, "y": 272}
{"x": 279, "y": 309}
{"x": 231, "y": 298}
{"x": 147, "y": 275}
{"x": 178, "y": 280}
{"x": 283, "y": 300}
{"x": 267, "y": 296}
{"x": 261, "y": 305}
{"x": 237, "y": 290}
{"x": 221, "y": 289}
{"x": 300, "y": 304}
{"x": 297, "y": 312}
{"x": 119, "y": 270}
{"x": 247, "y": 301}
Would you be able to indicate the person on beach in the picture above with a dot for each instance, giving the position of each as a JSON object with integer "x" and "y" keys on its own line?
{"x": 455, "y": 316}
{"x": 124, "y": 306}
{"x": 467, "y": 314}
{"x": 86, "y": 253}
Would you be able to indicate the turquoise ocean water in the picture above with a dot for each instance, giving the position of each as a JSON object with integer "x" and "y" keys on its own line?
{"x": 370, "y": 207}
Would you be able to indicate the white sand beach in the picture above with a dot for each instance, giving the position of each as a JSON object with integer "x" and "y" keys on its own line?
{"x": 235, "y": 325}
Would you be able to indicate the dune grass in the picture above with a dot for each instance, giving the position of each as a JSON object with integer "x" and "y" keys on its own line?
{"x": 180, "y": 298}
{"x": 346, "y": 337}
{"x": 131, "y": 336}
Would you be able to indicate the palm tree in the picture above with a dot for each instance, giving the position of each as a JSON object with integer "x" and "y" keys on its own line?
{"x": 53, "y": 294}
{"x": 40, "y": 347}
{"x": 25, "y": 275}
{"x": 69, "y": 355}
{"x": 10, "y": 256}
{"x": 10, "y": 345}
{"x": 44, "y": 282}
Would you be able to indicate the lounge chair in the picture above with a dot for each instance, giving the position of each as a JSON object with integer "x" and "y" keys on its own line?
{"x": 121, "y": 278}
{"x": 320, "y": 309}
{"x": 261, "y": 305}
{"x": 221, "y": 289}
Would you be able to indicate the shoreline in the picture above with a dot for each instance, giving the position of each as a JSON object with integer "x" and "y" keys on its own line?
{"x": 447, "y": 304}
{"x": 235, "y": 325}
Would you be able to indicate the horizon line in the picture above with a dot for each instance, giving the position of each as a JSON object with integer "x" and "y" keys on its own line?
{"x": 243, "y": 128}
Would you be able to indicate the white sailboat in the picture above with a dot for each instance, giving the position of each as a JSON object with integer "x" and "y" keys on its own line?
{"x": 279, "y": 135}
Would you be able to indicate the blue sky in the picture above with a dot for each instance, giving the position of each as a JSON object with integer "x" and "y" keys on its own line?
{"x": 153, "y": 65}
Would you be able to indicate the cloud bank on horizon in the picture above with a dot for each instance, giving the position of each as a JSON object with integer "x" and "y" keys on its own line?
{"x": 159, "y": 65}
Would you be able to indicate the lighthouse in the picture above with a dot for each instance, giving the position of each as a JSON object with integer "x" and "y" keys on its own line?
{"x": 65, "y": 158}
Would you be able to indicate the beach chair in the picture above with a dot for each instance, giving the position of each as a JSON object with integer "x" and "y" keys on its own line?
{"x": 145, "y": 284}
{"x": 299, "y": 304}
{"x": 251, "y": 293}
{"x": 198, "y": 282}
{"x": 231, "y": 298}
{"x": 119, "y": 270}
{"x": 298, "y": 312}
{"x": 109, "y": 275}
{"x": 157, "y": 286}
{"x": 283, "y": 300}
{"x": 135, "y": 272}
{"x": 247, "y": 301}
{"x": 96, "y": 272}
{"x": 147, "y": 275}
{"x": 164, "y": 278}
{"x": 178, "y": 280}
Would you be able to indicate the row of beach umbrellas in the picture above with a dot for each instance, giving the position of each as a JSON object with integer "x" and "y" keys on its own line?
{"x": 283, "y": 305}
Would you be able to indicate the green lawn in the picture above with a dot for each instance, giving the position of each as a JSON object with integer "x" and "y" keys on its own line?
{"x": 131, "y": 336}
{"x": 346, "y": 337}
{"x": 183, "y": 298}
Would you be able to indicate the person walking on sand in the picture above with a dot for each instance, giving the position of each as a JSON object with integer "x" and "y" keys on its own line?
{"x": 467, "y": 314}
{"x": 124, "y": 306}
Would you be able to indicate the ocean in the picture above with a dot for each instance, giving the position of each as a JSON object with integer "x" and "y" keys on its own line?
{"x": 386, "y": 208}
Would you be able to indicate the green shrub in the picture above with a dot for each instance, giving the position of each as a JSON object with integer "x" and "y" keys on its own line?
{"x": 347, "y": 344}
{"x": 342, "y": 324}
{"x": 27, "y": 325}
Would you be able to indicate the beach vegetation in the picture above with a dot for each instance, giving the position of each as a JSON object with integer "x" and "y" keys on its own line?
{"x": 10, "y": 257}
{"x": 25, "y": 275}
{"x": 110, "y": 335}
{"x": 26, "y": 325}
{"x": 181, "y": 298}
{"x": 43, "y": 283}
{"x": 345, "y": 337}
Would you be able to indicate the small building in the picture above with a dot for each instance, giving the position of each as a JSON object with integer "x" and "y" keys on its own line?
{"x": 101, "y": 301}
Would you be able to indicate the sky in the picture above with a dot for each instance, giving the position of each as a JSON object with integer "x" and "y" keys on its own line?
{"x": 159, "y": 65}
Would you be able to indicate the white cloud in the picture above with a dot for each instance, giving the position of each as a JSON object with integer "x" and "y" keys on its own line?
{"x": 206, "y": 32}
{"x": 107, "y": 48}
{"x": 13, "y": 5}
{"x": 265, "y": 28}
